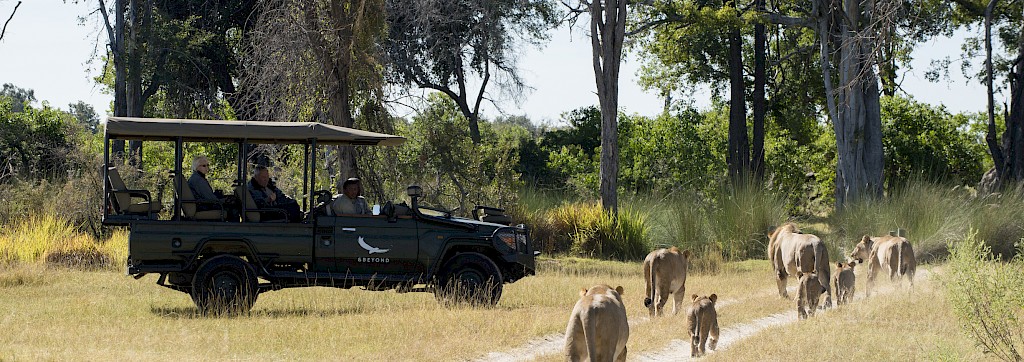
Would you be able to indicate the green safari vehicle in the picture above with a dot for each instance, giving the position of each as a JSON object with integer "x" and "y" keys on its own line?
{"x": 225, "y": 264}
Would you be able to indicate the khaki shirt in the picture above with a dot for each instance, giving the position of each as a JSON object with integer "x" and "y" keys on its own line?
{"x": 344, "y": 205}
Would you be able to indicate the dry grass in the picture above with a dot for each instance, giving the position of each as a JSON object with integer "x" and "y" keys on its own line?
{"x": 64, "y": 314}
{"x": 896, "y": 326}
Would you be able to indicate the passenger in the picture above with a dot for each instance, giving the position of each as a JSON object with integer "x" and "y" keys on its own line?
{"x": 268, "y": 196}
{"x": 350, "y": 201}
{"x": 203, "y": 192}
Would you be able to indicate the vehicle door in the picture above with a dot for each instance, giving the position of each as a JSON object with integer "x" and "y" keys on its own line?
{"x": 367, "y": 245}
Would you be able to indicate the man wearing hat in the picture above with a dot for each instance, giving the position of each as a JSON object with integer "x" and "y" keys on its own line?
{"x": 350, "y": 201}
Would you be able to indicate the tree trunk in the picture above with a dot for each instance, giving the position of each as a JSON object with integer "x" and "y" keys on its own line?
{"x": 738, "y": 158}
{"x": 1015, "y": 118}
{"x": 991, "y": 137}
{"x": 133, "y": 94}
{"x": 606, "y": 35}
{"x": 854, "y": 105}
{"x": 120, "y": 88}
{"x": 760, "y": 108}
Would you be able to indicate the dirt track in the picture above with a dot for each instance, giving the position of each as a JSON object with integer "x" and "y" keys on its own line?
{"x": 677, "y": 349}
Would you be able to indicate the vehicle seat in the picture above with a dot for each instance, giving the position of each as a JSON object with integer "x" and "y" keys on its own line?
{"x": 256, "y": 214}
{"x": 122, "y": 197}
{"x": 189, "y": 204}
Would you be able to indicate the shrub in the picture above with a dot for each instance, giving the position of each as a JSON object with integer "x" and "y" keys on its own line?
{"x": 589, "y": 231}
{"x": 986, "y": 295}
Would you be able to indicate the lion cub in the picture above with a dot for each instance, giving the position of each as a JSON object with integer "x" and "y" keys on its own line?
{"x": 844, "y": 281}
{"x": 702, "y": 324}
{"x": 597, "y": 329}
{"x": 808, "y": 295}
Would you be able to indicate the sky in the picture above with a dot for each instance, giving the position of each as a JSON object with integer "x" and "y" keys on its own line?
{"x": 46, "y": 48}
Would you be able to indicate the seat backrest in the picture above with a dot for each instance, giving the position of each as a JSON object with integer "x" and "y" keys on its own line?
{"x": 187, "y": 208}
{"x": 250, "y": 204}
{"x": 121, "y": 199}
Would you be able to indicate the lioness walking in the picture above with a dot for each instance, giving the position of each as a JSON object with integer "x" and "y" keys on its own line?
{"x": 702, "y": 324}
{"x": 598, "y": 328}
{"x": 890, "y": 253}
{"x": 844, "y": 282}
{"x": 809, "y": 293}
{"x": 665, "y": 273}
{"x": 792, "y": 252}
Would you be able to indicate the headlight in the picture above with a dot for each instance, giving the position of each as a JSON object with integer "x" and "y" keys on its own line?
{"x": 506, "y": 237}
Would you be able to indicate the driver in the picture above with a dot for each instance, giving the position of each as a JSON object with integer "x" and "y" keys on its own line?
{"x": 351, "y": 200}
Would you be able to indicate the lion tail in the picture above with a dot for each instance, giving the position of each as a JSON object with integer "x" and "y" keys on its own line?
{"x": 590, "y": 334}
{"x": 649, "y": 278}
{"x": 821, "y": 266}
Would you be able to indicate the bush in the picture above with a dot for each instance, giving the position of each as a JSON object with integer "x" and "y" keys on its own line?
{"x": 588, "y": 231}
{"x": 986, "y": 295}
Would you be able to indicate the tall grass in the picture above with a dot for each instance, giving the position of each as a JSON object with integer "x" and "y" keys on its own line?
{"x": 593, "y": 232}
{"x": 52, "y": 239}
{"x": 933, "y": 216}
{"x": 733, "y": 224}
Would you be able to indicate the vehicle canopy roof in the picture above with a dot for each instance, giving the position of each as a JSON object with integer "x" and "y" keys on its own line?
{"x": 165, "y": 129}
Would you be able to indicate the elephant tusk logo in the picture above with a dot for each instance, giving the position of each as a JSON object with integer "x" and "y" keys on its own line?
{"x": 371, "y": 249}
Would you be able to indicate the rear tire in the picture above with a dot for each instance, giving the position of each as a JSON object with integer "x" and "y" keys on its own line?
{"x": 469, "y": 278}
{"x": 225, "y": 284}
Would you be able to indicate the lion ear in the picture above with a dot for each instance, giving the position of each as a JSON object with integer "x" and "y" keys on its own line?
{"x": 583, "y": 291}
{"x": 866, "y": 239}
{"x": 618, "y": 289}
{"x": 673, "y": 249}
{"x": 713, "y": 297}
{"x": 693, "y": 297}
{"x": 839, "y": 265}
{"x": 686, "y": 253}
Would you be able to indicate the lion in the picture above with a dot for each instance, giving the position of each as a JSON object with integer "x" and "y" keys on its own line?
{"x": 598, "y": 328}
{"x": 809, "y": 294}
{"x": 792, "y": 252}
{"x": 665, "y": 273}
{"x": 844, "y": 282}
{"x": 893, "y": 253}
{"x": 702, "y": 324}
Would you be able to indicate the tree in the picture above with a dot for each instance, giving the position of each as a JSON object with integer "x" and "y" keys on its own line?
{"x": 86, "y": 115}
{"x": 848, "y": 34}
{"x": 1007, "y": 17}
{"x": 313, "y": 61}
{"x": 607, "y": 31}
{"x": 20, "y": 97}
{"x": 450, "y": 46}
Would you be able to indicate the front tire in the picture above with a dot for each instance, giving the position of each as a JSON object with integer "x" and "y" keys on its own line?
{"x": 225, "y": 284}
{"x": 469, "y": 278}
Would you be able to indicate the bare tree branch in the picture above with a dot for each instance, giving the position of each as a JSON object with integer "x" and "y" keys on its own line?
{"x": 9, "y": 20}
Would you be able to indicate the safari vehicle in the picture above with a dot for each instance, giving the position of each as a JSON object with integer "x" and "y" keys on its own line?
{"x": 225, "y": 264}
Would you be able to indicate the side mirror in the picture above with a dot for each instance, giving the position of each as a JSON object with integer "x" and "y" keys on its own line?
{"x": 414, "y": 191}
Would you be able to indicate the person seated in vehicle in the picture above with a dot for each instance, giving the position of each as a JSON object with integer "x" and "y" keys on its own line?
{"x": 350, "y": 201}
{"x": 207, "y": 198}
{"x": 268, "y": 196}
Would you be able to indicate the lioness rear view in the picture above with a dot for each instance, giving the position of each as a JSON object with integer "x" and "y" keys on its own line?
{"x": 597, "y": 329}
{"x": 665, "y": 273}
{"x": 225, "y": 262}
{"x": 792, "y": 252}
{"x": 702, "y": 324}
